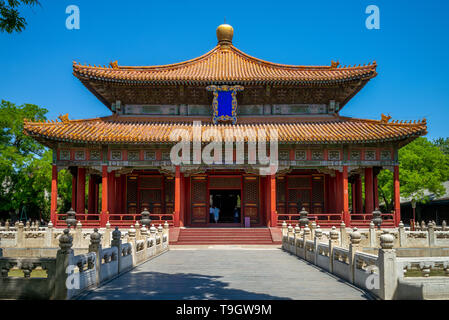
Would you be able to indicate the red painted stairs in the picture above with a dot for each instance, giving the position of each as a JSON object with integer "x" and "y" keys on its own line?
{"x": 211, "y": 236}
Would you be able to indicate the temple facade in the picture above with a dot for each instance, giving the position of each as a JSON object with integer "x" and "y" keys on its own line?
{"x": 327, "y": 163}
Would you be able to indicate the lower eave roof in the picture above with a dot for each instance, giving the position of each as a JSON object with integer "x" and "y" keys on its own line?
{"x": 117, "y": 130}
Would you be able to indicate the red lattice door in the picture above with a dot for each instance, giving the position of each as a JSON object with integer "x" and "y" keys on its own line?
{"x": 251, "y": 199}
{"x": 199, "y": 199}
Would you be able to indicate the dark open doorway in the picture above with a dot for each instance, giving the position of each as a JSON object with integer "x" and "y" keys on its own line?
{"x": 228, "y": 201}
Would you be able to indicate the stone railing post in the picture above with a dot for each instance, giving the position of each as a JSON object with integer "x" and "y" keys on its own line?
{"x": 167, "y": 231}
{"x": 444, "y": 226}
{"x": 285, "y": 244}
{"x": 63, "y": 257}
{"x": 316, "y": 241}
{"x": 20, "y": 235}
{"x": 402, "y": 237}
{"x": 78, "y": 236}
{"x": 284, "y": 229}
{"x": 160, "y": 231}
{"x": 132, "y": 241}
{"x": 431, "y": 234}
{"x": 27, "y": 226}
{"x": 305, "y": 237}
{"x": 153, "y": 232}
{"x": 48, "y": 235}
{"x": 387, "y": 266}
{"x": 372, "y": 235}
{"x": 117, "y": 242}
{"x": 297, "y": 235}
{"x": 312, "y": 230}
{"x": 107, "y": 235}
{"x": 7, "y": 225}
{"x": 343, "y": 235}
{"x": 333, "y": 241}
{"x": 95, "y": 246}
{"x": 137, "y": 227}
{"x": 354, "y": 246}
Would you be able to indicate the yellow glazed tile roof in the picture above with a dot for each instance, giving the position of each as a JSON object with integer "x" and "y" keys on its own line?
{"x": 225, "y": 63}
{"x": 134, "y": 131}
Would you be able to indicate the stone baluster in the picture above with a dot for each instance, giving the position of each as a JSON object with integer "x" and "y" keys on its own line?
{"x": 137, "y": 227}
{"x": 167, "y": 230}
{"x": 444, "y": 226}
{"x": 312, "y": 230}
{"x": 27, "y": 226}
{"x": 78, "y": 236}
{"x": 284, "y": 229}
{"x": 431, "y": 234}
{"x": 334, "y": 236}
{"x": 354, "y": 246}
{"x": 49, "y": 235}
{"x": 402, "y": 236}
{"x": 95, "y": 246}
{"x": 387, "y": 266}
{"x": 423, "y": 226}
{"x": 305, "y": 237}
{"x": 343, "y": 235}
{"x": 63, "y": 258}
{"x": 316, "y": 241}
{"x": 372, "y": 235}
{"x": 7, "y": 225}
{"x": 117, "y": 242}
{"x": 20, "y": 236}
{"x": 107, "y": 235}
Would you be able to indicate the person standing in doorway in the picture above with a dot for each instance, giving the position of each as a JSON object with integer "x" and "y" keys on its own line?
{"x": 216, "y": 214}
{"x": 212, "y": 213}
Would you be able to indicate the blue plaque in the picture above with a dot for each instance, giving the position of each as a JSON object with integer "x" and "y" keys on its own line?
{"x": 225, "y": 103}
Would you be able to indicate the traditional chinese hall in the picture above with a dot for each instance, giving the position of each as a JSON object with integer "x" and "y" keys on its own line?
{"x": 328, "y": 163}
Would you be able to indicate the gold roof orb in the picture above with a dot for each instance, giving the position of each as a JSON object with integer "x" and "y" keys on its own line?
{"x": 225, "y": 32}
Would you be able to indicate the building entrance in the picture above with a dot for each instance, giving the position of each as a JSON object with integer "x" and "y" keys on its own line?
{"x": 228, "y": 202}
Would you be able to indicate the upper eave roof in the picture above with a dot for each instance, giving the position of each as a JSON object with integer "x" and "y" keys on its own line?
{"x": 225, "y": 64}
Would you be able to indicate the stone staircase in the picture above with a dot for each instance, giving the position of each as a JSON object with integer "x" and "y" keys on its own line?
{"x": 221, "y": 236}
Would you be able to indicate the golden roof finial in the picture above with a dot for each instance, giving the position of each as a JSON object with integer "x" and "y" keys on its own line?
{"x": 384, "y": 118}
{"x": 113, "y": 65}
{"x": 225, "y": 33}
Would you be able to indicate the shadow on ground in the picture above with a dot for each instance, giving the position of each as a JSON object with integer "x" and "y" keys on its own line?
{"x": 142, "y": 285}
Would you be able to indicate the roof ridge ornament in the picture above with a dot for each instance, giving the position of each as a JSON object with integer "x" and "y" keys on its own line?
{"x": 114, "y": 64}
{"x": 64, "y": 118}
{"x": 335, "y": 64}
{"x": 225, "y": 33}
{"x": 384, "y": 118}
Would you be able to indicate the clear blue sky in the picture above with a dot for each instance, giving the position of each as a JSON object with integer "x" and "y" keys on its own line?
{"x": 411, "y": 48}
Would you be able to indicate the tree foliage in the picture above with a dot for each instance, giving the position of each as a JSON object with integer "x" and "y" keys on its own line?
{"x": 422, "y": 166}
{"x": 10, "y": 17}
{"x": 25, "y": 165}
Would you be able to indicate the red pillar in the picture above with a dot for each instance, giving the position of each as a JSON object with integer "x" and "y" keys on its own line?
{"x": 74, "y": 175}
{"x": 376, "y": 192}
{"x": 81, "y": 191}
{"x": 397, "y": 196}
{"x": 358, "y": 192}
{"x": 346, "y": 217}
{"x": 369, "y": 202}
{"x": 91, "y": 195}
{"x": 332, "y": 191}
{"x": 183, "y": 200}
{"x": 97, "y": 196}
{"x": 54, "y": 194}
{"x": 177, "y": 196}
{"x": 104, "y": 196}
{"x": 273, "y": 215}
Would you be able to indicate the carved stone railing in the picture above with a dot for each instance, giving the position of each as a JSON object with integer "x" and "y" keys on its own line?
{"x": 382, "y": 274}
{"x": 68, "y": 275}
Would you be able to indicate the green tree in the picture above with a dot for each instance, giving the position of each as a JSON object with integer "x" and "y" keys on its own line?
{"x": 442, "y": 144}
{"x": 25, "y": 165}
{"x": 422, "y": 166}
{"x": 10, "y": 17}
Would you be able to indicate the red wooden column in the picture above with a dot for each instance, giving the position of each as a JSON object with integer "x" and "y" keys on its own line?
{"x": 177, "y": 196}
{"x": 54, "y": 194}
{"x": 358, "y": 193}
{"x": 397, "y": 196}
{"x": 376, "y": 192}
{"x": 97, "y": 195}
{"x": 332, "y": 191}
{"x": 346, "y": 217}
{"x": 74, "y": 177}
{"x": 81, "y": 191}
{"x": 104, "y": 196}
{"x": 369, "y": 201}
{"x": 91, "y": 195}
{"x": 273, "y": 215}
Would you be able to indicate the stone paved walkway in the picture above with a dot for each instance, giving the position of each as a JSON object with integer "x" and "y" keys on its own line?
{"x": 235, "y": 273}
